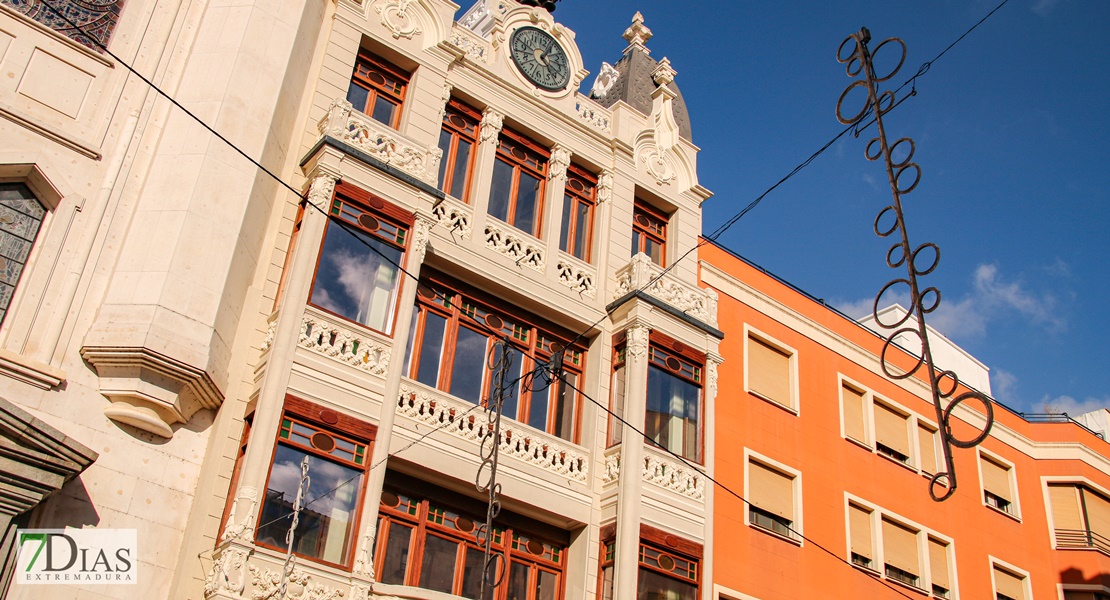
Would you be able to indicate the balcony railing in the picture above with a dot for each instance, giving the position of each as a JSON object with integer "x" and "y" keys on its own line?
{"x": 1082, "y": 538}
{"x": 380, "y": 142}
{"x": 696, "y": 302}
{"x": 514, "y": 243}
{"x": 334, "y": 338}
{"x": 460, "y": 418}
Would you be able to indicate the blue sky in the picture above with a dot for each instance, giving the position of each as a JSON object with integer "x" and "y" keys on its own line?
{"x": 1011, "y": 128}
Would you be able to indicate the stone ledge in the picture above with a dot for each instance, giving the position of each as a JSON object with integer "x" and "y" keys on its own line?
{"x": 151, "y": 391}
{"x": 32, "y": 372}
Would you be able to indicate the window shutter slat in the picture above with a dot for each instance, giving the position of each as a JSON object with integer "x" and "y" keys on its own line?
{"x": 1065, "y": 507}
{"x": 771, "y": 491}
{"x": 853, "y": 414}
{"x": 1008, "y": 584}
{"x": 938, "y": 563}
{"x": 890, "y": 429}
{"x": 996, "y": 478}
{"x": 768, "y": 371}
{"x": 859, "y": 524}
{"x": 1098, "y": 513}
{"x": 900, "y": 547}
{"x": 928, "y": 442}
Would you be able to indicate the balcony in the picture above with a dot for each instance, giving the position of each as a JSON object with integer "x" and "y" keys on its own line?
{"x": 380, "y": 142}
{"x": 1082, "y": 538}
{"x": 695, "y": 302}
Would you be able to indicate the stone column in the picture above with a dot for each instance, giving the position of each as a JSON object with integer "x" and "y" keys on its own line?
{"x": 710, "y": 414}
{"x": 626, "y": 558}
{"x": 553, "y": 202}
{"x": 414, "y": 259}
{"x": 485, "y": 154}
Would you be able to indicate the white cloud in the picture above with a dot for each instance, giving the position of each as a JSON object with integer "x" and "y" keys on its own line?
{"x": 1043, "y": 7}
{"x": 1003, "y": 385}
{"x": 1073, "y": 407}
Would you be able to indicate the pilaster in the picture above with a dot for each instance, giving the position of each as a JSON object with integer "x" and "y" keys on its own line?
{"x": 626, "y": 559}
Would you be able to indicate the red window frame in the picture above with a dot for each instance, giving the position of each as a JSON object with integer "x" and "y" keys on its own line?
{"x": 461, "y": 123}
{"x": 649, "y": 224}
{"x": 420, "y": 506}
{"x": 679, "y": 360}
{"x": 523, "y": 156}
{"x": 338, "y": 426}
{"x": 683, "y": 555}
{"x": 580, "y": 192}
{"x": 380, "y": 79}
{"x": 616, "y": 405}
{"x": 533, "y": 340}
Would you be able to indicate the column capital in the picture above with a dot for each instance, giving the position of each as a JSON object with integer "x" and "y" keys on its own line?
{"x": 492, "y": 122}
{"x": 322, "y": 182}
{"x": 560, "y": 160}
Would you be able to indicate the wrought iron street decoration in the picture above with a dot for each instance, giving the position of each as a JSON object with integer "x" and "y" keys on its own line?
{"x": 904, "y": 176}
{"x": 290, "y": 558}
{"x": 493, "y": 567}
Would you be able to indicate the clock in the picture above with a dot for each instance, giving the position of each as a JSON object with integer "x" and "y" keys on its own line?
{"x": 540, "y": 58}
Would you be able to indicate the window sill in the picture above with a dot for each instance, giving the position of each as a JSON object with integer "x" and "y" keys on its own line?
{"x": 776, "y": 403}
{"x": 863, "y": 445}
{"x": 924, "y": 593}
{"x": 775, "y": 534}
{"x": 868, "y": 570}
{"x": 1003, "y": 513}
{"x": 908, "y": 467}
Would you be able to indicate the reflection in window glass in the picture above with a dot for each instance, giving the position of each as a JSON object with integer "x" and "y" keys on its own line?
{"x": 470, "y": 363}
{"x": 501, "y": 190}
{"x": 356, "y": 282}
{"x": 431, "y": 351}
{"x": 672, "y": 413}
{"x": 396, "y": 554}
{"x": 437, "y": 570}
{"x": 655, "y": 586}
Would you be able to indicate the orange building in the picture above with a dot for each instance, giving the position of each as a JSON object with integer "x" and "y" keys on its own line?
{"x": 833, "y": 461}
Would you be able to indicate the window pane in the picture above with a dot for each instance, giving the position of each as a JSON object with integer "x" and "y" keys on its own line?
{"x": 511, "y": 406}
{"x": 431, "y": 349}
{"x": 21, "y": 216}
{"x": 472, "y": 573}
{"x": 537, "y": 409}
{"x": 355, "y": 282}
{"x": 527, "y": 197}
{"x": 582, "y": 222}
{"x": 518, "y": 582}
{"x": 437, "y": 569}
{"x": 357, "y": 96}
{"x": 458, "y": 178}
{"x": 500, "y": 190}
{"x": 655, "y": 586}
{"x": 470, "y": 365}
{"x": 445, "y": 147}
{"x": 616, "y": 427}
{"x": 653, "y": 250}
{"x": 607, "y": 582}
{"x": 383, "y": 110}
{"x": 324, "y": 530}
{"x": 565, "y": 407}
{"x": 672, "y": 413}
{"x": 636, "y": 242}
{"x": 564, "y": 229}
{"x": 547, "y": 586}
{"x": 396, "y": 554}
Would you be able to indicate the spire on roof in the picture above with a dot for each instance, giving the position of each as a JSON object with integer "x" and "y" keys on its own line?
{"x": 638, "y": 34}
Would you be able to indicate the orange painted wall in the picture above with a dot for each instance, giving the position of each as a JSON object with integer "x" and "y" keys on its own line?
{"x": 769, "y": 568}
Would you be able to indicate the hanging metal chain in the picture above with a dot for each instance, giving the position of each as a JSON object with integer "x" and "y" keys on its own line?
{"x": 904, "y": 176}
{"x": 290, "y": 558}
{"x": 493, "y": 568}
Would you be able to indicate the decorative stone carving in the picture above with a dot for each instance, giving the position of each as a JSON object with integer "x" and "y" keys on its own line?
{"x": 300, "y": 586}
{"x": 149, "y": 390}
{"x": 475, "y": 15}
{"x": 381, "y": 142}
{"x": 361, "y": 591}
{"x": 363, "y": 565}
{"x": 664, "y": 73}
{"x": 455, "y": 216}
{"x": 638, "y": 34}
{"x": 326, "y": 336}
{"x": 612, "y": 468}
{"x": 657, "y": 164}
{"x": 558, "y": 163}
{"x": 446, "y": 97}
{"x": 636, "y": 340}
{"x": 228, "y": 576}
{"x": 421, "y": 234}
{"x": 476, "y": 48}
{"x": 396, "y": 18}
{"x": 517, "y": 245}
{"x": 322, "y": 187}
{"x": 604, "y": 186}
{"x": 711, "y": 363}
{"x": 241, "y": 525}
{"x": 577, "y": 277}
{"x": 604, "y": 81}
{"x": 692, "y": 300}
{"x": 593, "y": 115}
{"x": 492, "y": 122}
{"x": 674, "y": 476}
{"x": 518, "y": 440}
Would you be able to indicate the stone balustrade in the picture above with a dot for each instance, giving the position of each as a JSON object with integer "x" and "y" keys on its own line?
{"x": 454, "y": 216}
{"x": 514, "y": 243}
{"x": 577, "y": 275}
{"x": 663, "y": 470}
{"x": 338, "y": 340}
{"x": 593, "y": 114}
{"x": 699, "y": 303}
{"x": 381, "y": 142}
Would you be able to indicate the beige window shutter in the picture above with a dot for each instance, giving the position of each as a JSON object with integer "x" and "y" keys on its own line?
{"x": 1066, "y": 513}
{"x": 1098, "y": 513}
{"x": 768, "y": 371}
{"x": 996, "y": 478}
{"x": 853, "y": 414}
{"x": 1008, "y": 584}
{"x": 890, "y": 429}
{"x": 938, "y": 563}
{"x": 900, "y": 547}
{"x": 928, "y": 442}
{"x": 771, "y": 491}
{"x": 859, "y": 525}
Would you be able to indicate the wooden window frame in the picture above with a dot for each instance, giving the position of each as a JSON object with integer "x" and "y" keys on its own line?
{"x": 659, "y": 541}
{"x": 679, "y": 360}
{"x": 236, "y": 471}
{"x": 346, "y": 201}
{"x": 543, "y": 340}
{"x": 580, "y": 190}
{"x": 336, "y": 424}
{"x": 511, "y": 535}
{"x": 523, "y": 155}
{"x": 370, "y": 62}
{"x": 614, "y": 428}
{"x": 460, "y": 122}
{"x": 650, "y": 223}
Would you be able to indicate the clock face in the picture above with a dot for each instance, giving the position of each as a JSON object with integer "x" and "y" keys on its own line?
{"x": 540, "y": 58}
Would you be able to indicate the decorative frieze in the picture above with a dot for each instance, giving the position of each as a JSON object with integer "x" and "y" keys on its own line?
{"x": 577, "y": 276}
{"x": 558, "y": 163}
{"x": 672, "y": 475}
{"x": 381, "y": 142}
{"x": 397, "y": 18}
{"x": 328, "y": 337}
{"x": 454, "y": 216}
{"x": 517, "y": 245}
{"x": 518, "y": 440}
{"x": 612, "y": 466}
{"x": 690, "y": 299}
{"x": 604, "y": 186}
{"x": 476, "y": 48}
{"x": 299, "y": 585}
{"x": 228, "y": 576}
{"x": 593, "y": 114}
{"x": 492, "y": 122}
